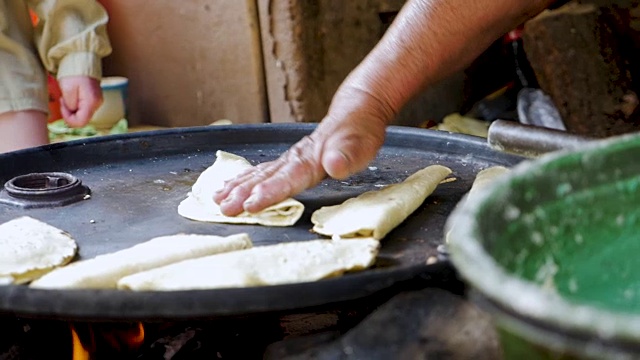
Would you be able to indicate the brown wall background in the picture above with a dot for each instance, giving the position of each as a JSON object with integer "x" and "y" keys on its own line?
{"x": 311, "y": 46}
{"x": 188, "y": 62}
{"x": 194, "y": 62}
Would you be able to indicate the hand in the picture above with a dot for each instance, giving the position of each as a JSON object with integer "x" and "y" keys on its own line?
{"x": 429, "y": 40}
{"x": 81, "y": 97}
{"x": 342, "y": 144}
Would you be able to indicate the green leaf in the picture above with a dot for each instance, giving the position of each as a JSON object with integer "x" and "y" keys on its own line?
{"x": 121, "y": 127}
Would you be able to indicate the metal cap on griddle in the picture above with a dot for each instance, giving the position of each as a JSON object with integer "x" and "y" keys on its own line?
{"x": 43, "y": 190}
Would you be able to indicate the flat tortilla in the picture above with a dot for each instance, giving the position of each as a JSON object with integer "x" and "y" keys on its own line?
{"x": 104, "y": 271}
{"x": 283, "y": 263}
{"x": 30, "y": 248}
{"x": 199, "y": 204}
{"x": 375, "y": 213}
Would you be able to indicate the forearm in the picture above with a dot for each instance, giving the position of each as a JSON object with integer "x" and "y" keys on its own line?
{"x": 71, "y": 36}
{"x": 428, "y": 41}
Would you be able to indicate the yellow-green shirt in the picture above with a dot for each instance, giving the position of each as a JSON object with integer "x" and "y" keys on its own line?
{"x": 70, "y": 38}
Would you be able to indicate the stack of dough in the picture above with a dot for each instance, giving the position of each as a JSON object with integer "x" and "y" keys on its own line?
{"x": 30, "y": 248}
{"x": 283, "y": 263}
{"x": 375, "y": 213}
{"x": 104, "y": 271}
{"x": 199, "y": 204}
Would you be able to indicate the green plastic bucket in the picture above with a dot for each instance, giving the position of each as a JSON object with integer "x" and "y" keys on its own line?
{"x": 552, "y": 251}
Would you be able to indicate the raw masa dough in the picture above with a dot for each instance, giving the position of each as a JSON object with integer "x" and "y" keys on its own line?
{"x": 199, "y": 204}
{"x": 375, "y": 213}
{"x": 483, "y": 179}
{"x": 104, "y": 271}
{"x": 283, "y": 263}
{"x": 486, "y": 177}
{"x": 30, "y": 248}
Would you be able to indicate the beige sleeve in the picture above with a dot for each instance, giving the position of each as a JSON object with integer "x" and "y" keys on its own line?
{"x": 71, "y": 36}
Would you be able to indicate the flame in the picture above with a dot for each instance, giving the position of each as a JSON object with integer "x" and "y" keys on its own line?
{"x": 137, "y": 337}
{"x": 106, "y": 338}
{"x": 79, "y": 352}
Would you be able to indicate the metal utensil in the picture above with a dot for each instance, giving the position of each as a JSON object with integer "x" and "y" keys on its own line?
{"x": 530, "y": 141}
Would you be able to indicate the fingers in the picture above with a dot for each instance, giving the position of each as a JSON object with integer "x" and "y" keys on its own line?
{"x": 272, "y": 182}
{"x": 79, "y": 117}
{"x": 81, "y": 97}
{"x": 70, "y": 96}
{"x": 295, "y": 175}
{"x": 344, "y": 143}
{"x": 240, "y": 187}
{"x": 231, "y": 198}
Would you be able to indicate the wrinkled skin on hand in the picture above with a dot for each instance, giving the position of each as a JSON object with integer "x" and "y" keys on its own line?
{"x": 81, "y": 97}
{"x": 342, "y": 144}
{"x": 428, "y": 41}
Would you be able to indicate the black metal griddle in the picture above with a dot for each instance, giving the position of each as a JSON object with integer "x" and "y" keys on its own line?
{"x": 137, "y": 181}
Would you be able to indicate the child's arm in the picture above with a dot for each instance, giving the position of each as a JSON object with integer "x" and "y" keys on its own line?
{"x": 71, "y": 38}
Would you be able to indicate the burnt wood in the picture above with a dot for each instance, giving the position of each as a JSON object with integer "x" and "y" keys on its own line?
{"x": 425, "y": 324}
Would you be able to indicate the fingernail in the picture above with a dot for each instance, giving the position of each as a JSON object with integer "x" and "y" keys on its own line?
{"x": 252, "y": 199}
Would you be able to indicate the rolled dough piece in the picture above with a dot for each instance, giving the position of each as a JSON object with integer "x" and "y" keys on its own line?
{"x": 104, "y": 271}
{"x": 283, "y": 263}
{"x": 484, "y": 178}
{"x": 199, "y": 204}
{"x": 30, "y": 248}
{"x": 375, "y": 213}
